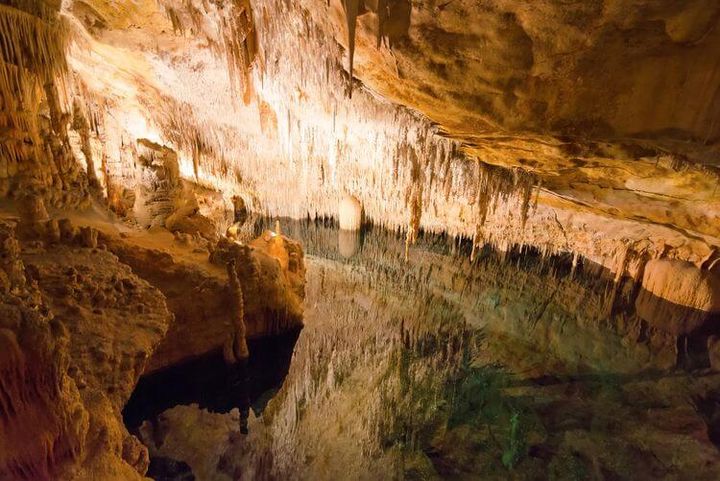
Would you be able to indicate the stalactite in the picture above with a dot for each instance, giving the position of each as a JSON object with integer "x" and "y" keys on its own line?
{"x": 32, "y": 43}
{"x": 352, "y": 10}
{"x": 25, "y": 55}
{"x": 81, "y": 125}
{"x": 32, "y": 58}
{"x": 172, "y": 14}
{"x": 382, "y": 14}
{"x": 240, "y": 45}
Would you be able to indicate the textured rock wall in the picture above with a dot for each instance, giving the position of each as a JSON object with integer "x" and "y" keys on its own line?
{"x": 35, "y": 148}
{"x": 193, "y": 278}
{"x": 253, "y": 101}
{"x": 78, "y": 329}
{"x": 35, "y": 384}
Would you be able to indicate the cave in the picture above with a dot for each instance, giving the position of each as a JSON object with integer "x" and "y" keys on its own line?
{"x": 351, "y": 240}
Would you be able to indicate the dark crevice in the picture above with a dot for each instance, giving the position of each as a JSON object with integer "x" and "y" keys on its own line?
{"x": 212, "y": 384}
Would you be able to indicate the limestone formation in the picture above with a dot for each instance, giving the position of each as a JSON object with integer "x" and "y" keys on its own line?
{"x": 235, "y": 348}
{"x": 196, "y": 288}
{"x": 350, "y": 213}
{"x": 74, "y": 344}
{"x": 677, "y": 297}
{"x": 533, "y": 158}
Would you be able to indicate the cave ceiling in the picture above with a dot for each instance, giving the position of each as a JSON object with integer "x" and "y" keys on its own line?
{"x": 592, "y": 125}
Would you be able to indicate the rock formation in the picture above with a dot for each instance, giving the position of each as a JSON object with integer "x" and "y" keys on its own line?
{"x": 678, "y": 297}
{"x": 78, "y": 328}
{"x": 350, "y": 213}
{"x": 576, "y": 159}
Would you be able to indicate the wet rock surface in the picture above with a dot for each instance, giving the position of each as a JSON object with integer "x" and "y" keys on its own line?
{"x": 561, "y": 322}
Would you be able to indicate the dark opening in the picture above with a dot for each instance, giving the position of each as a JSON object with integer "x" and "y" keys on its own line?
{"x": 213, "y": 385}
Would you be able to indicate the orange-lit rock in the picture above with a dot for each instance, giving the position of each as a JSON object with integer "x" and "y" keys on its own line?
{"x": 77, "y": 330}
{"x": 271, "y": 273}
{"x": 677, "y": 297}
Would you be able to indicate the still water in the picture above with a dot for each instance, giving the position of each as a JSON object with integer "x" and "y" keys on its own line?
{"x": 506, "y": 367}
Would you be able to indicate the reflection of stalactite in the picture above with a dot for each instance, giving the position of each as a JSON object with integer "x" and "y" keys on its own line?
{"x": 32, "y": 52}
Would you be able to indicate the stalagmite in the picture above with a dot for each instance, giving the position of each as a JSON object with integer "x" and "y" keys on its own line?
{"x": 559, "y": 205}
{"x": 235, "y": 349}
{"x": 80, "y": 123}
{"x": 350, "y": 213}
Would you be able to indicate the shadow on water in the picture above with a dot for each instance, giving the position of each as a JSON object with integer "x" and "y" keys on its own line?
{"x": 212, "y": 384}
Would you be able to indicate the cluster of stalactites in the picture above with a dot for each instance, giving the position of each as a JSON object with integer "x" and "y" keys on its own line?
{"x": 184, "y": 131}
{"x": 393, "y": 19}
{"x": 237, "y": 42}
{"x": 429, "y": 164}
{"x": 501, "y": 186}
{"x": 32, "y": 55}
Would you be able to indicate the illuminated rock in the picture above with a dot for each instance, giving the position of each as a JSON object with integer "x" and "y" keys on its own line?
{"x": 74, "y": 339}
{"x": 350, "y": 213}
{"x": 271, "y": 273}
{"x": 677, "y": 297}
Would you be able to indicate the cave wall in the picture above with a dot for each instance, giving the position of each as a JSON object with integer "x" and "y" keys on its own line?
{"x": 78, "y": 328}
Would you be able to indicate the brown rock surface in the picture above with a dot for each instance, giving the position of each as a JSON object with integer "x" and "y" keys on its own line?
{"x": 34, "y": 384}
{"x": 676, "y": 296}
{"x": 271, "y": 273}
{"x": 561, "y": 104}
{"x": 79, "y": 329}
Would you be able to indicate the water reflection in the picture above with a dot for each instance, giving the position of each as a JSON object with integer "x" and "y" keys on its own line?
{"x": 507, "y": 367}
